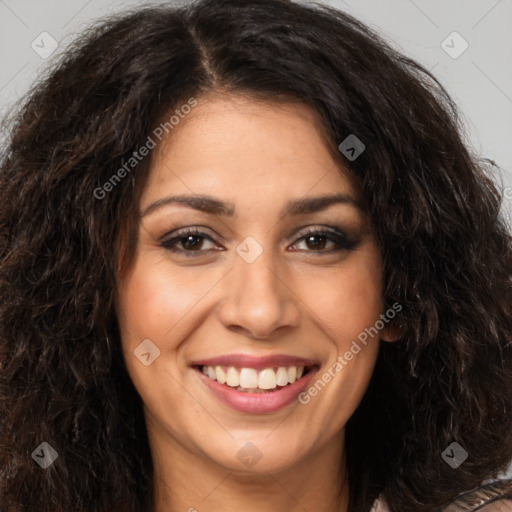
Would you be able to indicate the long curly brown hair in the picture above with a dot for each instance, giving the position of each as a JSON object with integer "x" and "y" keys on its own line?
{"x": 436, "y": 211}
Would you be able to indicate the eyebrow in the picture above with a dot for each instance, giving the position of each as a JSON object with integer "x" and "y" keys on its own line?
{"x": 208, "y": 204}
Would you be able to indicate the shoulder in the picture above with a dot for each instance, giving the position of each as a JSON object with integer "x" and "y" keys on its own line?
{"x": 492, "y": 497}
{"x": 497, "y": 506}
{"x": 379, "y": 506}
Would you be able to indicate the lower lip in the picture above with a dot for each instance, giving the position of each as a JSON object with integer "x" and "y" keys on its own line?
{"x": 258, "y": 403}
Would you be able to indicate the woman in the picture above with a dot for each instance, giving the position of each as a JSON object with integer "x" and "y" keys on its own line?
{"x": 248, "y": 263}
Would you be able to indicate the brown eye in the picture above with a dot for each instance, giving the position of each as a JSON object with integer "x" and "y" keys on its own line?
{"x": 325, "y": 241}
{"x": 188, "y": 241}
{"x": 191, "y": 242}
{"x": 316, "y": 241}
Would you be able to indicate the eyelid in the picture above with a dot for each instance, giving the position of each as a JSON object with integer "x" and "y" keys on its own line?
{"x": 333, "y": 230}
{"x": 196, "y": 230}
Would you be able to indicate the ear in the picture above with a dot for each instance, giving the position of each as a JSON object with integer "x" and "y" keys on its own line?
{"x": 392, "y": 332}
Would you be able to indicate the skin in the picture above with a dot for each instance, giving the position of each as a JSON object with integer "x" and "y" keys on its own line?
{"x": 298, "y": 298}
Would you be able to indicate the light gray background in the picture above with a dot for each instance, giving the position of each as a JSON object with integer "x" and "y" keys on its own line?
{"x": 480, "y": 79}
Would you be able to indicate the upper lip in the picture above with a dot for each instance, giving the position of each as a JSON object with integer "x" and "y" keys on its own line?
{"x": 250, "y": 361}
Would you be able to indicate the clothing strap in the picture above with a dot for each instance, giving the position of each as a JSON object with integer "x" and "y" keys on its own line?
{"x": 478, "y": 498}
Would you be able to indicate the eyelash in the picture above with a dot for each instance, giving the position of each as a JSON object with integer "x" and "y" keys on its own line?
{"x": 333, "y": 235}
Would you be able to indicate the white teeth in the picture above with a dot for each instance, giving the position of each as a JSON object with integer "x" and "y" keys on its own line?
{"x": 267, "y": 379}
{"x": 282, "y": 376}
{"x": 249, "y": 379}
{"x": 232, "y": 377}
{"x": 220, "y": 374}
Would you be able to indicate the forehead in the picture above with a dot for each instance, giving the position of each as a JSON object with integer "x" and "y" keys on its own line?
{"x": 229, "y": 145}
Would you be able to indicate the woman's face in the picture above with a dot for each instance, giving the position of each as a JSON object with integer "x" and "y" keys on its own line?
{"x": 255, "y": 274}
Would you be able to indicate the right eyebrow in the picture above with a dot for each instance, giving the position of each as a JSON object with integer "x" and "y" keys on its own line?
{"x": 202, "y": 203}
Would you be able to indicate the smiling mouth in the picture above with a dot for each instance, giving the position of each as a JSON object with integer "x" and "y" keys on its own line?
{"x": 250, "y": 380}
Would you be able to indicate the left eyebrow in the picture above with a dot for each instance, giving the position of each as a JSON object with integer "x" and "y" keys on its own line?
{"x": 215, "y": 206}
{"x": 318, "y": 203}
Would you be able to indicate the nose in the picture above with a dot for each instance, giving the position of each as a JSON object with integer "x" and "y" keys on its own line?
{"x": 259, "y": 300}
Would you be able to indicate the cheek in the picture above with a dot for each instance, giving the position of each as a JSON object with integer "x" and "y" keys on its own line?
{"x": 349, "y": 300}
{"x": 155, "y": 298}
{"x": 153, "y": 303}
{"x": 360, "y": 300}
